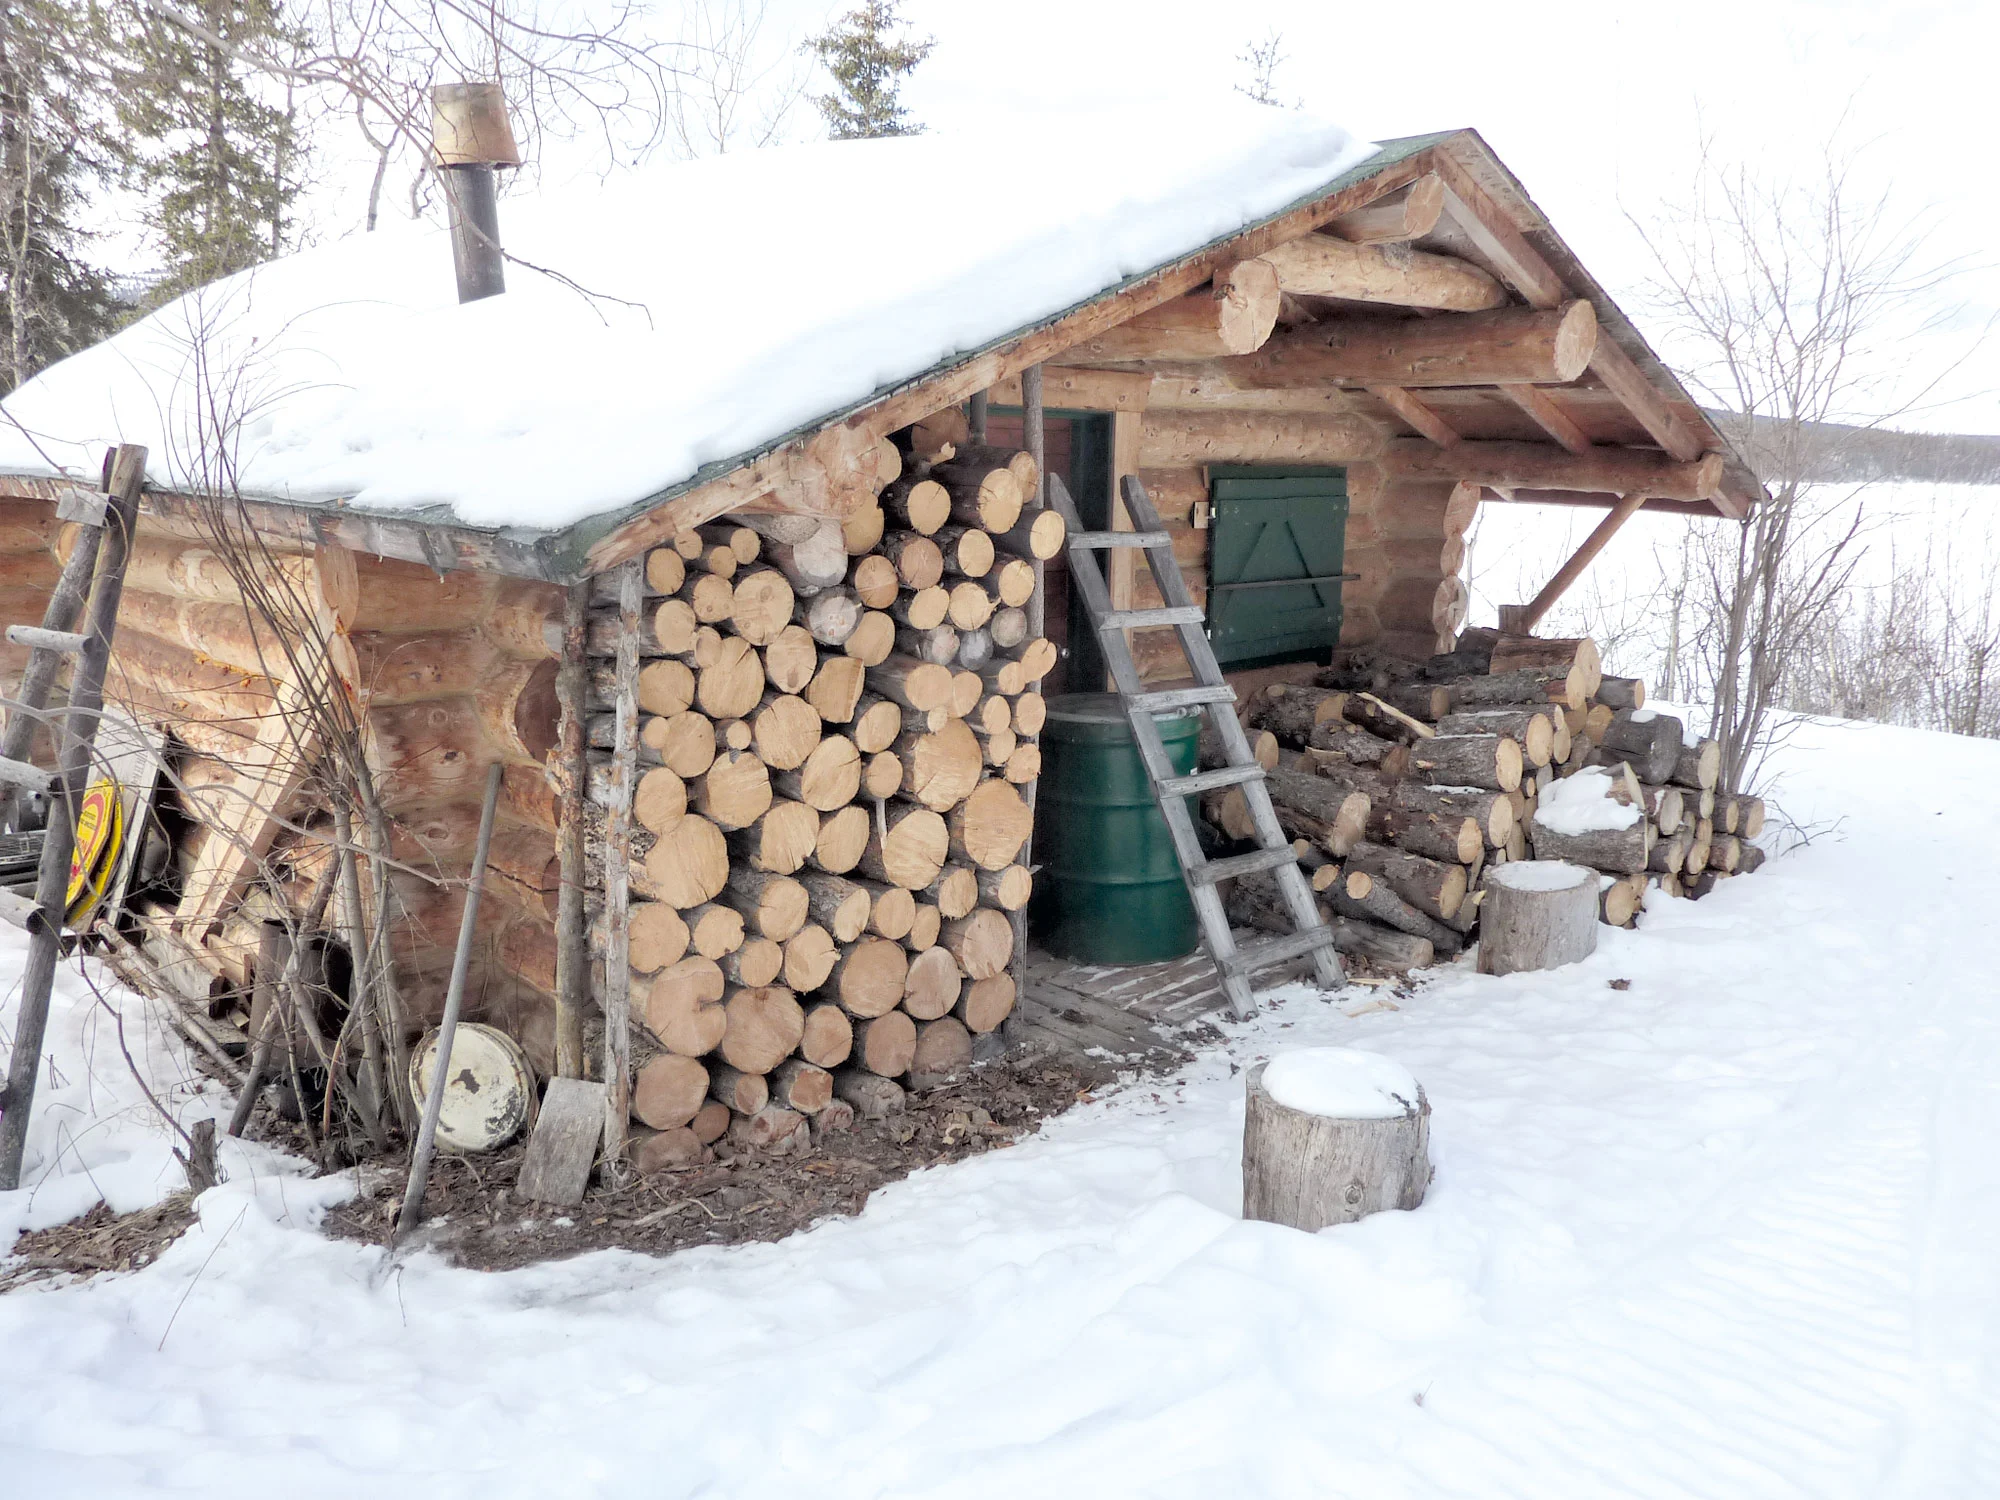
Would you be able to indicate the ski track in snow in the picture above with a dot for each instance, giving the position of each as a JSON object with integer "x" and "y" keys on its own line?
{"x": 1733, "y": 1232}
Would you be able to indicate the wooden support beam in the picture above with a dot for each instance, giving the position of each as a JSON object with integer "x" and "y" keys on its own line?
{"x": 1318, "y": 265}
{"x": 1508, "y": 345}
{"x": 572, "y": 775}
{"x": 1648, "y": 407}
{"x": 1412, "y": 411}
{"x": 1183, "y": 439}
{"x": 1474, "y": 211}
{"x": 1596, "y": 499}
{"x": 1407, "y": 214}
{"x": 1532, "y": 612}
{"x": 1233, "y": 315}
{"x": 1543, "y": 466}
{"x": 1081, "y": 390}
{"x": 1541, "y": 407}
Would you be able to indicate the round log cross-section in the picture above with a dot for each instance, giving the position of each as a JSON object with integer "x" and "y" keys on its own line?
{"x": 1538, "y": 914}
{"x": 1331, "y": 1135}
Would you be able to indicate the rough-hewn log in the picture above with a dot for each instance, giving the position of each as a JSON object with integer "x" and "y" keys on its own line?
{"x": 809, "y": 958}
{"x": 883, "y": 1045}
{"x": 932, "y": 987}
{"x": 1176, "y": 439}
{"x": 1485, "y": 760}
{"x": 1434, "y": 887}
{"x": 1544, "y": 466}
{"x": 989, "y": 828}
{"x": 984, "y": 1003}
{"x": 1233, "y": 315}
{"x": 1622, "y": 851}
{"x": 1409, "y": 213}
{"x": 942, "y": 1055}
{"x": 869, "y": 978}
{"x": 1533, "y": 729}
{"x": 1318, "y": 265}
{"x": 1537, "y": 915}
{"x": 681, "y": 1006}
{"x": 1507, "y": 345}
{"x": 1310, "y": 1171}
{"x": 1698, "y": 765}
{"x": 1648, "y": 741}
{"x": 912, "y": 851}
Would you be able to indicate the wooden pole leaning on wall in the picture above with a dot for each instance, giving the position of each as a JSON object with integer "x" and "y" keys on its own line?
{"x": 454, "y": 1000}
{"x": 79, "y": 731}
{"x": 1522, "y": 619}
{"x": 1034, "y": 437}
{"x": 573, "y": 775}
{"x": 617, "y": 867}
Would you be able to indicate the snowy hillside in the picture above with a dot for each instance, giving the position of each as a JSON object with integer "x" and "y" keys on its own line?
{"x": 1727, "y": 1230}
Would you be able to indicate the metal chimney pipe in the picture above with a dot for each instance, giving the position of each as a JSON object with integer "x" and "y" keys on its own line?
{"x": 472, "y": 139}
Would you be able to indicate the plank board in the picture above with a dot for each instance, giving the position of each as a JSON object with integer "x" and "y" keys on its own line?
{"x": 556, "y": 1166}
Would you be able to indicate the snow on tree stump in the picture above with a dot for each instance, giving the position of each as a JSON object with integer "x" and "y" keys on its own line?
{"x": 1538, "y": 914}
{"x": 1331, "y": 1135}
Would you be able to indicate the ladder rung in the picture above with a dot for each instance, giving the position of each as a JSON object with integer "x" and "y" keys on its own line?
{"x": 21, "y": 773}
{"x": 1172, "y": 698}
{"x": 1096, "y": 539}
{"x": 1210, "y": 871}
{"x": 1204, "y": 781}
{"x": 65, "y": 641}
{"x": 1267, "y": 952}
{"x": 1138, "y": 619}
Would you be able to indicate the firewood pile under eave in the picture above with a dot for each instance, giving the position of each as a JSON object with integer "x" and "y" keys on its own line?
{"x": 829, "y": 828}
{"x": 1403, "y": 783}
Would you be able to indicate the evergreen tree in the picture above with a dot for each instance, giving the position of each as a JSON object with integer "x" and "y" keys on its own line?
{"x": 224, "y": 171}
{"x": 53, "y": 146}
{"x": 868, "y": 65}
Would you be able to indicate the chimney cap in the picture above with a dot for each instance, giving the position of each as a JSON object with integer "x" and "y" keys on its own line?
{"x": 469, "y": 126}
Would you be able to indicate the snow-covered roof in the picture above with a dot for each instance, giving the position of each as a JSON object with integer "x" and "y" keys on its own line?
{"x": 689, "y": 314}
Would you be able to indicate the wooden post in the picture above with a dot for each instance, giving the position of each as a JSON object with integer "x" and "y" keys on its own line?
{"x": 1034, "y": 434}
{"x": 617, "y": 864}
{"x": 977, "y": 418}
{"x": 65, "y": 603}
{"x": 572, "y": 938}
{"x": 86, "y": 702}
{"x": 1538, "y": 914}
{"x": 1309, "y": 1170}
{"x": 1530, "y": 615}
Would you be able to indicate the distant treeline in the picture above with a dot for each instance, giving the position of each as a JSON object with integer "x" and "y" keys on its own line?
{"x": 1830, "y": 453}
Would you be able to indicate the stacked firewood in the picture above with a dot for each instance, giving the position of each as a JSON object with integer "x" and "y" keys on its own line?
{"x": 1403, "y": 782}
{"x": 838, "y": 725}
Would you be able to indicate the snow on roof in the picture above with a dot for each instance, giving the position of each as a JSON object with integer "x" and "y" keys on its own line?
{"x": 735, "y": 299}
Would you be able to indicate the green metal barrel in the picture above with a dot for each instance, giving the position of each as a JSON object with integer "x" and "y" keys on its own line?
{"x": 1109, "y": 890}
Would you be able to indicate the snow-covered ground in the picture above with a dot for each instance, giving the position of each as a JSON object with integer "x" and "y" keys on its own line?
{"x": 1732, "y": 1231}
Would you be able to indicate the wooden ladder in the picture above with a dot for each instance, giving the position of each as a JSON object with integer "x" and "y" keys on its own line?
{"x": 1217, "y": 699}
{"x": 107, "y": 521}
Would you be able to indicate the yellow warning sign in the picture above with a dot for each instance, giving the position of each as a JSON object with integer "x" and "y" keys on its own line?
{"x": 100, "y": 824}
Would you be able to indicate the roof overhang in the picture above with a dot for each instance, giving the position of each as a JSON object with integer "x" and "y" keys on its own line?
{"x": 1501, "y": 225}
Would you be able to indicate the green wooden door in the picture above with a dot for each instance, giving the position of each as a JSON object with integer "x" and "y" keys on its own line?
{"x": 1276, "y": 543}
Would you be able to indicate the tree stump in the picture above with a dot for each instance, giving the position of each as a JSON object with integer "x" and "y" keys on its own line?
{"x": 1538, "y": 914}
{"x": 1331, "y": 1135}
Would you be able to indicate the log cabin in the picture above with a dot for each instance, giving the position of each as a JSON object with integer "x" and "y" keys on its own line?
{"x": 767, "y": 711}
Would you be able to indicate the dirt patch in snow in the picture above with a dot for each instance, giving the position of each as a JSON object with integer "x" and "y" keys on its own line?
{"x": 99, "y": 1241}
{"x": 473, "y": 1218}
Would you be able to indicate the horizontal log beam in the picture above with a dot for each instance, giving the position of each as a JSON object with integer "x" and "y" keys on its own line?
{"x": 1594, "y": 499}
{"x": 1082, "y": 390}
{"x": 1409, "y": 214}
{"x": 1234, "y": 314}
{"x": 1177, "y": 439}
{"x": 1543, "y": 466}
{"x": 1318, "y": 265}
{"x": 1509, "y": 345}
